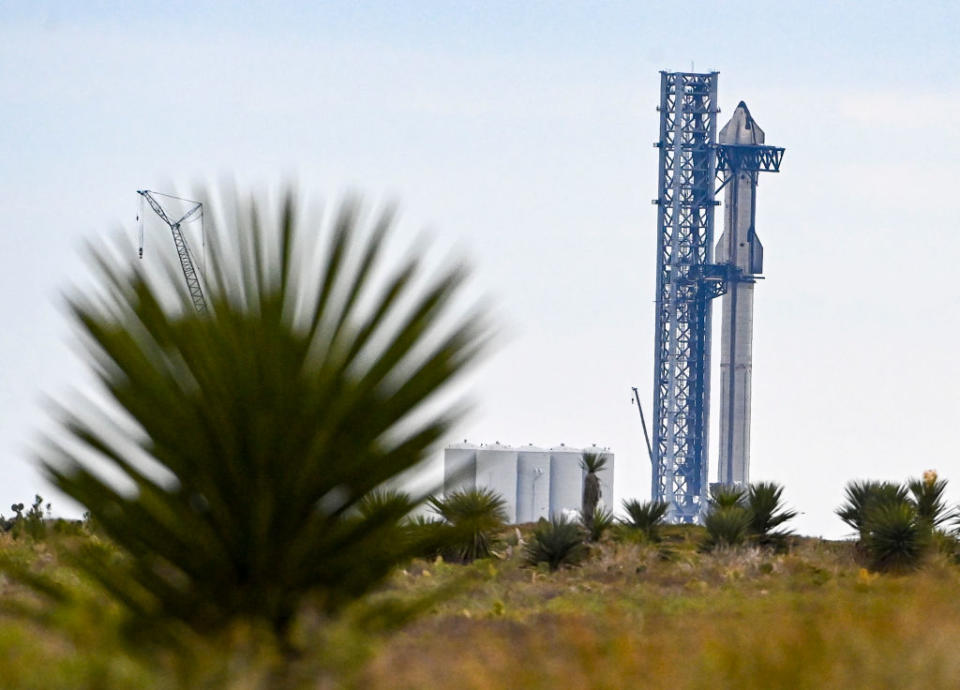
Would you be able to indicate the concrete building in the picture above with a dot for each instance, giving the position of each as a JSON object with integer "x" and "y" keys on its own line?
{"x": 534, "y": 482}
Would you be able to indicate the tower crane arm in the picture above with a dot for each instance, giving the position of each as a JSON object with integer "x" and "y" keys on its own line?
{"x": 187, "y": 265}
{"x": 157, "y": 208}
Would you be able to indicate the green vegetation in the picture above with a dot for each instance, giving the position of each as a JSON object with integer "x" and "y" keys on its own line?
{"x": 475, "y": 517}
{"x": 645, "y": 517}
{"x": 599, "y": 523}
{"x": 862, "y": 497}
{"x": 254, "y": 435}
{"x": 591, "y": 464}
{"x": 767, "y": 514}
{"x": 726, "y": 525}
{"x": 614, "y": 619}
{"x": 754, "y": 514}
{"x": 247, "y": 537}
{"x": 895, "y": 539}
{"x": 556, "y": 542}
{"x": 927, "y": 495}
{"x": 899, "y": 526}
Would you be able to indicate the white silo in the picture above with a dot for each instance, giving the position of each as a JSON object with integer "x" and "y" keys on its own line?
{"x": 459, "y": 467}
{"x": 533, "y": 484}
{"x": 566, "y": 480}
{"x": 497, "y": 470}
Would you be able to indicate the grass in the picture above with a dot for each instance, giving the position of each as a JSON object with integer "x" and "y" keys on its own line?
{"x": 749, "y": 618}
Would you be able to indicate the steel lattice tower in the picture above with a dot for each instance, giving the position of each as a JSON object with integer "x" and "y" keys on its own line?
{"x": 687, "y": 281}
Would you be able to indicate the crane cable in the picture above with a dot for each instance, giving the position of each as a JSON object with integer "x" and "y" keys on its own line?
{"x": 140, "y": 219}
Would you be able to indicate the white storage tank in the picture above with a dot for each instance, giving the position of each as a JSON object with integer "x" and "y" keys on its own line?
{"x": 566, "y": 480}
{"x": 497, "y": 470}
{"x": 459, "y": 467}
{"x": 533, "y": 484}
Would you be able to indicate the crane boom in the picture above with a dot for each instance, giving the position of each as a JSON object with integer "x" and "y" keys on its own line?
{"x": 183, "y": 250}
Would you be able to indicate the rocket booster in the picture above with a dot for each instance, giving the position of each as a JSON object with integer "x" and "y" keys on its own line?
{"x": 740, "y": 248}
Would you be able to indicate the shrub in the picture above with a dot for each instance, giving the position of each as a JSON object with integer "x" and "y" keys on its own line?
{"x": 726, "y": 526}
{"x": 429, "y": 536}
{"x": 597, "y": 524}
{"x": 927, "y": 497}
{"x": 387, "y": 502}
{"x": 269, "y": 417}
{"x": 33, "y": 523}
{"x": 767, "y": 513}
{"x": 557, "y": 542}
{"x": 862, "y": 497}
{"x": 895, "y": 539}
{"x": 725, "y": 496}
{"x": 476, "y": 516}
{"x": 647, "y": 517}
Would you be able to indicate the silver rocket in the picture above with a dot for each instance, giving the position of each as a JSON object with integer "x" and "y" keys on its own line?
{"x": 740, "y": 248}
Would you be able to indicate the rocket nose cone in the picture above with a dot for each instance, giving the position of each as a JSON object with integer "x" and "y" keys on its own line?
{"x": 741, "y": 129}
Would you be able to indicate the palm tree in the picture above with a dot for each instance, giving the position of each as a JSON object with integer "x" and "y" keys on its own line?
{"x": 266, "y": 420}
{"x": 591, "y": 463}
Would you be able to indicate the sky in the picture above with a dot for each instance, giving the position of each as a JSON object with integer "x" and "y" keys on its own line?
{"x": 520, "y": 136}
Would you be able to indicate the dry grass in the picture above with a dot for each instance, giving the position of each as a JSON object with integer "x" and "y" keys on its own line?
{"x": 647, "y": 615}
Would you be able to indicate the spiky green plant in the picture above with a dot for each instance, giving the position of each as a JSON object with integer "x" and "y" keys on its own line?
{"x": 597, "y": 524}
{"x": 557, "y": 542}
{"x": 591, "y": 463}
{"x": 250, "y": 433}
{"x": 895, "y": 539}
{"x": 476, "y": 516}
{"x": 646, "y": 517}
{"x": 726, "y": 526}
{"x": 927, "y": 496}
{"x": 767, "y": 513}
{"x": 863, "y": 496}
{"x": 387, "y": 502}
{"x": 430, "y": 535}
{"x": 726, "y": 496}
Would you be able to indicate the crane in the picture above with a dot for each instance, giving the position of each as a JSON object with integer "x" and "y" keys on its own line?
{"x": 180, "y": 242}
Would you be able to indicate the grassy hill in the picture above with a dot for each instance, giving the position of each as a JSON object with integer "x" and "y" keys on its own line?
{"x": 633, "y": 614}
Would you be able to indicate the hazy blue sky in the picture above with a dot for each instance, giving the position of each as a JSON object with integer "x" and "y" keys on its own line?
{"x": 520, "y": 134}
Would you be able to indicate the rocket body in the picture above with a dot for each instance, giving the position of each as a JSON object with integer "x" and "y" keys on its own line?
{"x": 738, "y": 247}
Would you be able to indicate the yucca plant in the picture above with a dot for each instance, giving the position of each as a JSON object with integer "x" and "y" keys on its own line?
{"x": 895, "y": 539}
{"x": 429, "y": 535}
{"x": 726, "y": 526}
{"x": 647, "y": 517}
{"x": 597, "y": 524}
{"x": 864, "y": 496}
{"x": 557, "y": 542}
{"x": 767, "y": 513}
{"x": 476, "y": 516}
{"x": 927, "y": 496}
{"x": 383, "y": 501}
{"x": 727, "y": 496}
{"x": 591, "y": 463}
{"x": 252, "y": 432}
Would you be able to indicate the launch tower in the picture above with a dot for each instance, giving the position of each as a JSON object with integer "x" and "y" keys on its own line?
{"x": 688, "y": 279}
